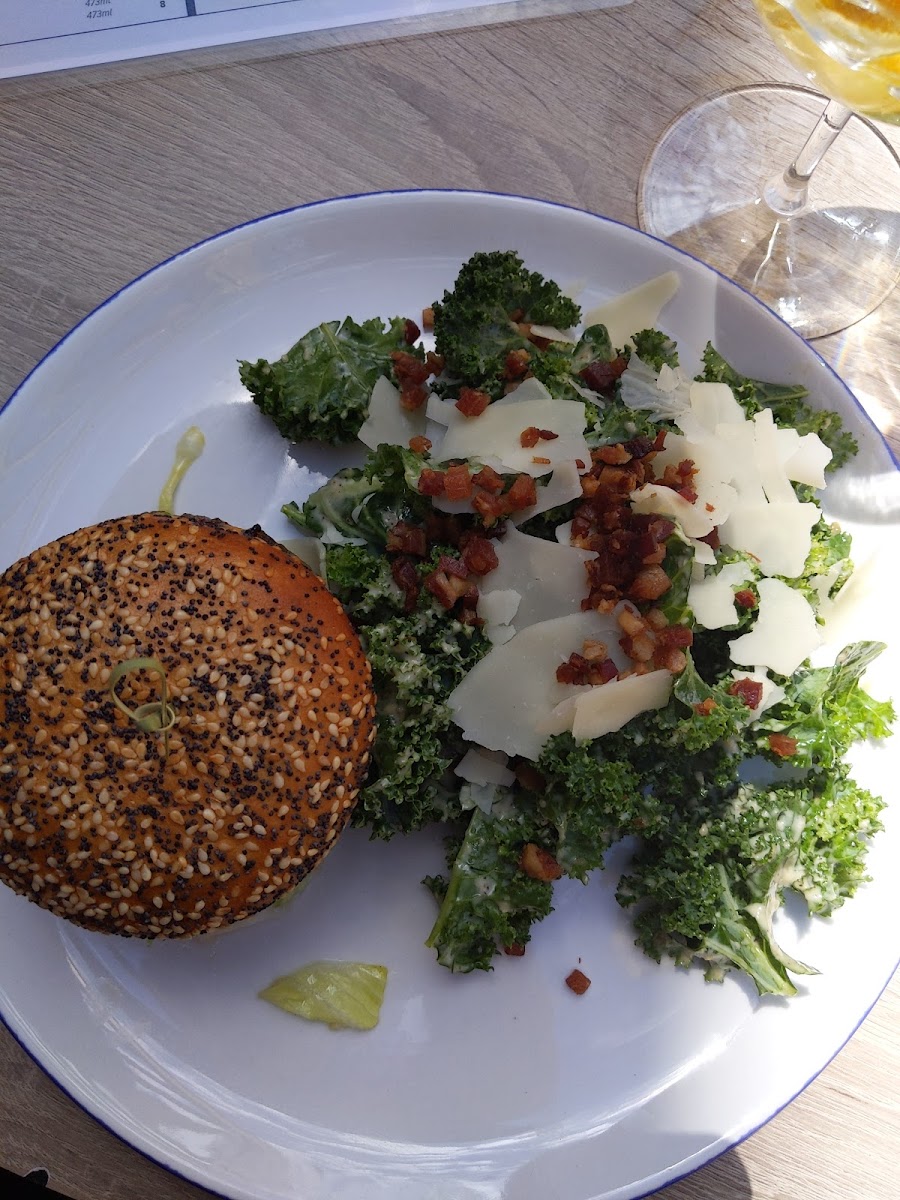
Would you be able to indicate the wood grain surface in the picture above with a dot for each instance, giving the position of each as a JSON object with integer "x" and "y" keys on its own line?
{"x": 105, "y": 172}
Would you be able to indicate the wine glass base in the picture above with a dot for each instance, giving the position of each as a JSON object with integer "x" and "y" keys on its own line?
{"x": 822, "y": 269}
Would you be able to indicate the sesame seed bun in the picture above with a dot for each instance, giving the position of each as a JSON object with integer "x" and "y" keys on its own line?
{"x": 153, "y": 834}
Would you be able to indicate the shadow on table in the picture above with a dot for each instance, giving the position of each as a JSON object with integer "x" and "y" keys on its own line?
{"x": 723, "y": 1179}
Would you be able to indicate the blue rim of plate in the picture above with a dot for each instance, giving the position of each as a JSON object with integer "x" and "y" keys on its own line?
{"x": 335, "y": 200}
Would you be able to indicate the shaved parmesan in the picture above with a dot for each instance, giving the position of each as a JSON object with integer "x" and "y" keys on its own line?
{"x": 387, "y": 420}
{"x": 785, "y": 632}
{"x": 309, "y": 550}
{"x": 609, "y": 706}
{"x": 711, "y": 599}
{"x": 694, "y": 518}
{"x": 507, "y": 697}
{"x": 498, "y": 607}
{"x": 480, "y": 766}
{"x": 562, "y": 486}
{"x": 549, "y": 578}
{"x": 808, "y": 462}
{"x": 713, "y": 404}
{"x": 778, "y": 535}
{"x": 498, "y": 433}
{"x": 635, "y": 310}
{"x": 552, "y": 334}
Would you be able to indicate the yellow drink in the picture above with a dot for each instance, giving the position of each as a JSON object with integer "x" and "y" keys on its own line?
{"x": 850, "y": 49}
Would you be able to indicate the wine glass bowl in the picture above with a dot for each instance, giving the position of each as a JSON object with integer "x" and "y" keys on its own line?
{"x": 812, "y": 228}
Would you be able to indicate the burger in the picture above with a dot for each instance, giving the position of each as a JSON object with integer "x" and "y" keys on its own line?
{"x": 185, "y": 721}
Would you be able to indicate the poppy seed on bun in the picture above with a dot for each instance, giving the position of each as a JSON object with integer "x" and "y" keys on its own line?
{"x": 169, "y": 832}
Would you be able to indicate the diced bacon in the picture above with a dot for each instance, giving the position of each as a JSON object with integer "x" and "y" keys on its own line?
{"x": 420, "y": 444}
{"x": 711, "y": 538}
{"x": 409, "y": 367}
{"x": 649, "y": 584}
{"x": 522, "y": 494}
{"x": 614, "y": 455}
{"x": 434, "y": 362}
{"x": 404, "y": 574}
{"x": 428, "y": 318}
{"x": 404, "y": 538}
{"x": 489, "y": 508}
{"x": 745, "y": 598}
{"x": 670, "y": 658}
{"x": 458, "y": 482}
{"x": 705, "y": 707}
{"x": 431, "y": 483}
{"x": 412, "y": 395}
{"x": 411, "y": 332}
{"x": 516, "y": 950}
{"x": 675, "y": 635}
{"x": 532, "y": 435}
{"x": 782, "y": 745}
{"x": 640, "y": 447}
{"x": 488, "y": 479}
{"x": 749, "y": 690}
{"x": 452, "y": 566}
{"x": 516, "y": 364}
{"x": 472, "y": 402}
{"x": 574, "y": 670}
{"x": 601, "y": 376}
{"x": 479, "y": 556}
{"x": 577, "y": 982}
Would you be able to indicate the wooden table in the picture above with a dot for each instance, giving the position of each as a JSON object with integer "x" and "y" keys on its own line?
{"x": 107, "y": 172}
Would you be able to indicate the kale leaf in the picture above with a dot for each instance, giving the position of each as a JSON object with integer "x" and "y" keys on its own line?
{"x": 319, "y": 390}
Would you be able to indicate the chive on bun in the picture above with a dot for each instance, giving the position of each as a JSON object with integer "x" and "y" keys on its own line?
{"x": 135, "y": 813}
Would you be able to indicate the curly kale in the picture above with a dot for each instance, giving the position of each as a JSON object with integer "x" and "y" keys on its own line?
{"x": 655, "y": 348}
{"x": 417, "y": 659}
{"x": 487, "y": 902}
{"x": 787, "y": 402}
{"x": 319, "y": 390}
{"x": 478, "y": 323}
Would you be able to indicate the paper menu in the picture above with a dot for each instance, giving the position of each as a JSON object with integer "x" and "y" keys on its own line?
{"x": 48, "y": 35}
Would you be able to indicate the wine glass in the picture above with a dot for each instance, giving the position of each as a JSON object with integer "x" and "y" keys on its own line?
{"x": 818, "y": 240}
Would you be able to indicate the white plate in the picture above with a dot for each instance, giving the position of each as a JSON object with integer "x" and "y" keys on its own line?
{"x": 471, "y": 1088}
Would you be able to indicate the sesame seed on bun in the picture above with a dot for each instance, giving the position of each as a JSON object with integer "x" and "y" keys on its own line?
{"x": 184, "y": 817}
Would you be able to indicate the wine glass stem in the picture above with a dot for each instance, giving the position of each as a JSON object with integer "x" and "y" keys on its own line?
{"x": 786, "y": 194}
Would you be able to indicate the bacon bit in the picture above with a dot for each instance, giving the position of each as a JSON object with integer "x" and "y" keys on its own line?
{"x": 472, "y": 402}
{"x": 688, "y": 493}
{"x": 675, "y": 635}
{"x": 711, "y": 538}
{"x": 411, "y": 332}
{"x": 404, "y": 538}
{"x": 541, "y": 342}
{"x": 745, "y": 598}
{"x": 516, "y": 364}
{"x": 614, "y": 455}
{"x": 749, "y": 690}
{"x": 782, "y": 745}
{"x": 420, "y": 444}
{"x": 447, "y": 587}
{"x": 631, "y": 622}
{"x": 408, "y": 367}
{"x": 516, "y": 950}
{"x": 532, "y": 435}
{"x": 458, "y": 482}
{"x": 530, "y": 777}
{"x": 640, "y": 447}
{"x": 579, "y": 464}
{"x": 488, "y": 479}
{"x": 656, "y": 618}
{"x": 434, "y": 362}
{"x": 406, "y": 577}
{"x": 709, "y": 507}
{"x": 600, "y": 375}
{"x": 452, "y": 566}
{"x": 479, "y": 556}
{"x": 431, "y": 483}
{"x": 670, "y": 658}
{"x": 578, "y": 669}
{"x": 577, "y": 982}
{"x": 649, "y": 584}
{"x": 705, "y": 707}
{"x": 466, "y": 613}
{"x": 489, "y": 508}
{"x": 538, "y": 863}
{"x": 522, "y": 494}
{"x": 428, "y": 318}
{"x": 540, "y": 461}
{"x": 594, "y": 650}
{"x": 412, "y": 395}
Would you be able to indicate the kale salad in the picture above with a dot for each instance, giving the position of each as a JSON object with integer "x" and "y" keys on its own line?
{"x": 590, "y": 589}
